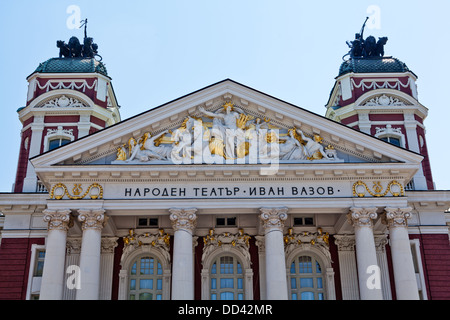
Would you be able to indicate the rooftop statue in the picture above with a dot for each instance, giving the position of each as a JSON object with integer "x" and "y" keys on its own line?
{"x": 368, "y": 48}
{"x": 74, "y": 49}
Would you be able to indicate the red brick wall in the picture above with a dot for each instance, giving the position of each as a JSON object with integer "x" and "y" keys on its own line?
{"x": 436, "y": 260}
{"x": 15, "y": 255}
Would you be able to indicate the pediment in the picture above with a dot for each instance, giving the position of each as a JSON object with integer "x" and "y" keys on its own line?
{"x": 176, "y": 132}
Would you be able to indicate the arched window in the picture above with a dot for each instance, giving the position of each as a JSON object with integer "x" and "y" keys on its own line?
{"x": 392, "y": 140}
{"x": 306, "y": 279}
{"x": 57, "y": 142}
{"x": 57, "y": 137}
{"x": 226, "y": 279}
{"x": 145, "y": 279}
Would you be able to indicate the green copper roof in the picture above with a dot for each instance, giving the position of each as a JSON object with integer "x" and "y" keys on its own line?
{"x": 72, "y": 65}
{"x": 372, "y": 65}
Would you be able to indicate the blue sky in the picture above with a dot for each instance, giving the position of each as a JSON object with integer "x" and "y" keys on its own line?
{"x": 156, "y": 51}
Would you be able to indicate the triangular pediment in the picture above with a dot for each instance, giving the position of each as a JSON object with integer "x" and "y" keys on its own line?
{"x": 294, "y": 135}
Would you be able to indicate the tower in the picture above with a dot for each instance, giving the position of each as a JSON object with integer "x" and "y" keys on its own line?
{"x": 69, "y": 97}
{"x": 377, "y": 95}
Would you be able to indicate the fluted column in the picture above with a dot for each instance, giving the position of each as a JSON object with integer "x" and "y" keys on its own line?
{"x": 402, "y": 260}
{"x": 55, "y": 252}
{"x": 276, "y": 281}
{"x": 361, "y": 219}
{"x": 183, "y": 223}
{"x": 92, "y": 225}
{"x": 347, "y": 266}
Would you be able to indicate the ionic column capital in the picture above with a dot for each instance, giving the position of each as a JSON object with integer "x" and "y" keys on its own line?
{"x": 92, "y": 218}
{"x": 396, "y": 217}
{"x": 58, "y": 219}
{"x": 183, "y": 219}
{"x": 273, "y": 218}
{"x": 362, "y": 217}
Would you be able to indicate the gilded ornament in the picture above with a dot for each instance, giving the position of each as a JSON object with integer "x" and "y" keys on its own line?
{"x": 394, "y": 187}
{"x": 59, "y": 190}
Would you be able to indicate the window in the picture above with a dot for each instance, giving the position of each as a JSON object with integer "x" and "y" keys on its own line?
{"x": 306, "y": 279}
{"x": 39, "y": 263}
{"x": 147, "y": 222}
{"x": 303, "y": 221}
{"x": 146, "y": 277}
{"x": 227, "y": 221}
{"x": 55, "y": 143}
{"x": 226, "y": 279}
{"x": 392, "y": 140}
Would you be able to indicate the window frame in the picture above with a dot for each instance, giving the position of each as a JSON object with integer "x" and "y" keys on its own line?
{"x": 138, "y": 277}
{"x": 215, "y": 276}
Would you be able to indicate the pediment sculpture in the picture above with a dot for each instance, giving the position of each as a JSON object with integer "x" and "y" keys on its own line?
{"x": 228, "y": 135}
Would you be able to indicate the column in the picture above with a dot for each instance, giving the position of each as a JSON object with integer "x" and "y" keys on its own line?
{"x": 55, "y": 254}
{"x": 347, "y": 266}
{"x": 92, "y": 225}
{"x": 368, "y": 270}
{"x": 183, "y": 223}
{"x": 402, "y": 260}
{"x": 380, "y": 246}
{"x": 276, "y": 281}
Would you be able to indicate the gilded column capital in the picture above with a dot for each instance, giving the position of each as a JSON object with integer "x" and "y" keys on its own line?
{"x": 396, "y": 217}
{"x": 92, "y": 218}
{"x": 183, "y": 219}
{"x": 273, "y": 218}
{"x": 362, "y": 217}
{"x": 58, "y": 219}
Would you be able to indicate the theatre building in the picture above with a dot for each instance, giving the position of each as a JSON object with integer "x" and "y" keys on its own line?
{"x": 226, "y": 193}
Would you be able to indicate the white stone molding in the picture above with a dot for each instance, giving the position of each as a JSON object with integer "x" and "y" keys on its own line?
{"x": 62, "y": 102}
{"x": 74, "y": 84}
{"x": 384, "y": 100}
{"x": 235, "y": 245}
{"x": 347, "y": 266}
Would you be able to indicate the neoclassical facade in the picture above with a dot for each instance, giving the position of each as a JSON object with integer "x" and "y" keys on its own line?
{"x": 226, "y": 193}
